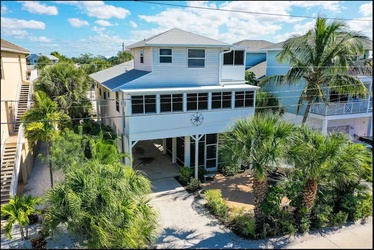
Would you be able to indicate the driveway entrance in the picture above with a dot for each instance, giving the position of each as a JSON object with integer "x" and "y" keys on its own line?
{"x": 149, "y": 158}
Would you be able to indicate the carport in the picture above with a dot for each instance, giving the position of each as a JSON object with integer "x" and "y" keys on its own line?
{"x": 148, "y": 157}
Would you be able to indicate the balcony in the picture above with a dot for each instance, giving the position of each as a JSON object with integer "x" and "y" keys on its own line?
{"x": 354, "y": 107}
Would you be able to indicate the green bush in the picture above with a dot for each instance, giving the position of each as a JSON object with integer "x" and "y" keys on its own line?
{"x": 322, "y": 215}
{"x": 185, "y": 174}
{"x": 364, "y": 206}
{"x": 245, "y": 224}
{"x": 215, "y": 203}
{"x": 338, "y": 219}
{"x": 230, "y": 169}
{"x": 202, "y": 171}
{"x": 194, "y": 184}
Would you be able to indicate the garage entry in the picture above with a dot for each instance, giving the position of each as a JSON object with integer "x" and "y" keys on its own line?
{"x": 148, "y": 157}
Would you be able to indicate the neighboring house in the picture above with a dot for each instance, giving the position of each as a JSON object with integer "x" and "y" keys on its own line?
{"x": 255, "y": 56}
{"x": 33, "y": 58}
{"x": 343, "y": 113}
{"x": 182, "y": 88}
{"x": 16, "y": 91}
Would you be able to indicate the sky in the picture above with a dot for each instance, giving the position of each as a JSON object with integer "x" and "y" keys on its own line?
{"x": 100, "y": 27}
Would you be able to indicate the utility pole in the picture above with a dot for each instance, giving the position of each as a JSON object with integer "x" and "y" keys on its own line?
{"x": 123, "y": 47}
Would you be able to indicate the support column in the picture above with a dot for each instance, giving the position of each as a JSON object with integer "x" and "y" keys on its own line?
{"x": 174, "y": 150}
{"x": 370, "y": 127}
{"x": 197, "y": 139}
{"x": 187, "y": 151}
{"x": 164, "y": 145}
{"x": 128, "y": 150}
{"x": 324, "y": 126}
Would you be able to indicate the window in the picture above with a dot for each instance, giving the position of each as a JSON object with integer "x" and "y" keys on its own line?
{"x": 221, "y": 100}
{"x": 100, "y": 91}
{"x": 166, "y": 55}
{"x": 104, "y": 94}
{"x": 243, "y": 99}
{"x": 108, "y": 93}
{"x": 177, "y": 102}
{"x": 196, "y": 58}
{"x": 165, "y": 103}
{"x": 142, "y": 56}
{"x": 197, "y": 101}
{"x": 234, "y": 58}
{"x": 171, "y": 103}
{"x": 143, "y": 104}
{"x": 117, "y": 101}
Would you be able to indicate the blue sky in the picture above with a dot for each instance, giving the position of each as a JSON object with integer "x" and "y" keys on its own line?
{"x": 100, "y": 27}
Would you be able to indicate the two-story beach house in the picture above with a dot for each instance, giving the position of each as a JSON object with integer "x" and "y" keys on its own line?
{"x": 33, "y": 58}
{"x": 182, "y": 88}
{"x": 344, "y": 113}
{"x": 16, "y": 91}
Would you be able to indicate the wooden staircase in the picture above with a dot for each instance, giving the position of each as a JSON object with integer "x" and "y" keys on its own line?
{"x": 7, "y": 165}
{"x": 22, "y": 105}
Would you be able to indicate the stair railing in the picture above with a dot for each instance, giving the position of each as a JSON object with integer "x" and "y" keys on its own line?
{"x": 17, "y": 162}
{"x": 17, "y": 96}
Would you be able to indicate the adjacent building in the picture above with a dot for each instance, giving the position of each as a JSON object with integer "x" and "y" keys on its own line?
{"x": 33, "y": 58}
{"x": 16, "y": 91}
{"x": 182, "y": 88}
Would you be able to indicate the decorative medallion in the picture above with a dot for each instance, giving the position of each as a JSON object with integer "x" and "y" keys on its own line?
{"x": 197, "y": 119}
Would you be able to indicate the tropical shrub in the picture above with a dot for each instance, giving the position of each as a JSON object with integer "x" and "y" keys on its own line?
{"x": 215, "y": 203}
{"x": 244, "y": 224}
{"x": 230, "y": 169}
{"x": 194, "y": 184}
{"x": 338, "y": 219}
{"x": 185, "y": 174}
{"x": 17, "y": 211}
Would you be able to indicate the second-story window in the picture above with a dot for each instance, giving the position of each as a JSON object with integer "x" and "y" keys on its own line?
{"x": 166, "y": 55}
{"x": 196, "y": 58}
{"x": 234, "y": 58}
{"x": 197, "y": 101}
{"x": 143, "y": 104}
{"x": 243, "y": 99}
{"x": 221, "y": 100}
{"x": 142, "y": 56}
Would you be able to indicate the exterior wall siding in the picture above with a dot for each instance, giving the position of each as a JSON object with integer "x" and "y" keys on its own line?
{"x": 147, "y": 64}
{"x": 254, "y": 58}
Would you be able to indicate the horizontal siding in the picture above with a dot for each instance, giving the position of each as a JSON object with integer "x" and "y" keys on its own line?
{"x": 177, "y": 73}
{"x": 147, "y": 65}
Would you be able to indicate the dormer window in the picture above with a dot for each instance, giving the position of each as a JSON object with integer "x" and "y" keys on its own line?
{"x": 234, "y": 58}
{"x": 142, "y": 56}
{"x": 166, "y": 55}
{"x": 196, "y": 58}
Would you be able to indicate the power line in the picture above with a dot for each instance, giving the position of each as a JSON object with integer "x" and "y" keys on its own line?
{"x": 247, "y": 12}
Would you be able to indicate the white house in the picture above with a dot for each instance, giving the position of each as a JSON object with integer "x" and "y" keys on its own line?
{"x": 34, "y": 57}
{"x": 182, "y": 88}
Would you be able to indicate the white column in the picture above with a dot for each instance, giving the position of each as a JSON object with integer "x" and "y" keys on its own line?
{"x": 164, "y": 146}
{"x": 209, "y": 100}
{"x": 232, "y": 99}
{"x": 185, "y": 102}
{"x": 158, "y": 107}
{"x": 324, "y": 126}
{"x": 174, "y": 150}
{"x": 197, "y": 157}
{"x": 187, "y": 151}
{"x": 127, "y": 149}
{"x": 370, "y": 127}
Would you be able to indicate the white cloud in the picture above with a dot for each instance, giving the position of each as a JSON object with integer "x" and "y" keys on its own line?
{"x": 77, "y": 23}
{"x": 103, "y": 23}
{"x": 14, "y": 23}
{"x": 133, "y": 24}
{"x": 35, "y": 7}
{"x": 98, "y": 30}
{"x": 16, "y": 33}
{"x": 326, "y": 5}
{"x": 366, "y": 9}
{"x": 40, "y": 39}
{"x": 366, "y": 27}
{"x": 103, "y": 11}
{"x": 4, "y": 9}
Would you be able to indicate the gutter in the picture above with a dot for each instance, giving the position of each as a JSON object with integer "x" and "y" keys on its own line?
{"x": 221, "y": 65}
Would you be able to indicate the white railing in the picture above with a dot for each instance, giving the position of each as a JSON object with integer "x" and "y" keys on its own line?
{"x": 18, "y": 96}
{"x": 342, "y": 108}
{"x": 17, "y": 163}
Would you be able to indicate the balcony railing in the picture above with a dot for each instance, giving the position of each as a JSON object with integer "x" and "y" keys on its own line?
{"x": 357, "y": 107}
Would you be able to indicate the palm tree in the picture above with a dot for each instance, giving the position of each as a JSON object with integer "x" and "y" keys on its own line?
{"x": 43, "y": 121}
{"x": 258, "y": 140}
{"x": 68, "y": 86}
{"x": 321, "y": 58}
{"x": 314, "y": 154}
{"x": 17, "y": 211}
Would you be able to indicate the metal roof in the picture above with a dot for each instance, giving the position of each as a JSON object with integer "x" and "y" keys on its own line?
{"x": 253, "y": 44}
{"x": 116, "y": 76}
{"x": 177, "y": 38}
{"x": 11, "y": 47}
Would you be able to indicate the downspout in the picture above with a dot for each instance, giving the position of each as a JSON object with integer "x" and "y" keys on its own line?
{"x": 221, "y": 65}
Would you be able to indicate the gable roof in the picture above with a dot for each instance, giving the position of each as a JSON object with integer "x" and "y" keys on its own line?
{"x": 116, "y": 76}
{"x": 259, "y": 69}
{"x": 276, "y": 46}
{"x": 177, "y": 37}
{"x": 253, "y": 44}
{"x": 11, "y": 47}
